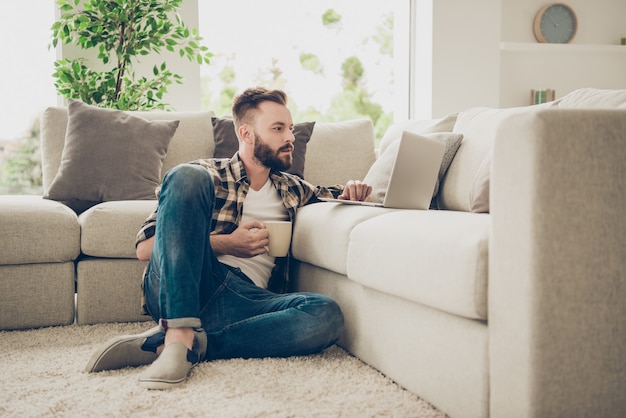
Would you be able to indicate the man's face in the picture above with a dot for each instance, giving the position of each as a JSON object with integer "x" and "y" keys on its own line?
{"x": 273, "y": 145}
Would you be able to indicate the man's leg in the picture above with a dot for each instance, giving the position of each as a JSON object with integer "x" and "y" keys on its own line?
{"x": 178, "y": 256}
{"x": 251, "y": 322}
{"x": 183, "y": 272}
{"x": 186, "y": 287}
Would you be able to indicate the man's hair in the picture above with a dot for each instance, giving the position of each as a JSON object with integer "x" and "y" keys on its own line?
{"x": 250, "y": 99}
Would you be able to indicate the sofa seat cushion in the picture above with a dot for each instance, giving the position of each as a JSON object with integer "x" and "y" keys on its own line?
{"x": 109, "y": 229}
{"x": 36, "y": 230}
{"x": 436, "y": 258}
{"x": 321, "y": 234}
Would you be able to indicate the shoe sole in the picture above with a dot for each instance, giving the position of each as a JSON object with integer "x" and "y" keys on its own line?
{"x": 171, "y": 369}
{"x": 160, "y": 384}
{"x": 101, "y": 360}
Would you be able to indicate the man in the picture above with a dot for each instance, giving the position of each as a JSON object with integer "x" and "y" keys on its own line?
{"x": 207, "y": 278}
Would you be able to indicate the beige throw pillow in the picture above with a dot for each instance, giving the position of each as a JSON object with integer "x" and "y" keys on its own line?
{"x": 109, "y": 155}
{"x": 379, "y": 173}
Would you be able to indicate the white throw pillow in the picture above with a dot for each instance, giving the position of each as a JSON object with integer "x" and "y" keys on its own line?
{"x": 593, "y": 99}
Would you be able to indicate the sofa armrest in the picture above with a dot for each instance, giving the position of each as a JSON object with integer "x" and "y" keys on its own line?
{"x": 557, "y": 284}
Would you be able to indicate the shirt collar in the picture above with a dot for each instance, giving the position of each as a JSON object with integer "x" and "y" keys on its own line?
{"x": 237, "y": 169}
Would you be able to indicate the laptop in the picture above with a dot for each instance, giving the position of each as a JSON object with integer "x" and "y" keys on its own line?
{"x": 413, "y": 176}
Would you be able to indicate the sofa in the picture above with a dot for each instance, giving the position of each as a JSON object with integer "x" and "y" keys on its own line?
{"x": 506, "y": 299}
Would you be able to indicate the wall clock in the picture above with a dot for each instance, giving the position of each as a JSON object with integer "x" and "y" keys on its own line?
{"x": 555, "y": 23}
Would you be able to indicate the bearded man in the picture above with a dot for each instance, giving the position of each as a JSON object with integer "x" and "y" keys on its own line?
{"x": 209, "y": 277}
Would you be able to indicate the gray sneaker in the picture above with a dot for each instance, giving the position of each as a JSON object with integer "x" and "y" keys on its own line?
{"x": 174, "y": 363}
{"x": 127, "y": 351}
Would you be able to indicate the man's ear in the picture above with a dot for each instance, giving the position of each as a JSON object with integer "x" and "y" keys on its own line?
{"x": 246, "y": 134}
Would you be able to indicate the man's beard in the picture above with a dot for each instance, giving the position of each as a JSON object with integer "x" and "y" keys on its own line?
{"x": 269, "y": 157}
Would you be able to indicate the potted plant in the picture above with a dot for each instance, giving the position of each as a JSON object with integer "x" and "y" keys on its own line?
{"x": 122, "y": 31}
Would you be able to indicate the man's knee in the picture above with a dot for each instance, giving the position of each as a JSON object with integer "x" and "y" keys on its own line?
{"x": 188, "y": 178}
{"x": 328, "y": 314}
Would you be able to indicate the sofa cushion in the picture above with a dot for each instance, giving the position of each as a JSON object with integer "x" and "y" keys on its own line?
{"x": 436, "y": 258}
{"x": 110, "y": 155}
{"x": 226, "y": 142}
{"x": 394, "y": 132}
{"x": 109, "y": 229}
{"x": 339, "y": 151}
{"x": 479, "y": 193}
{"x": 480, "y": 127}
{"x": 36, "y": 230}
{"x": 591, "y": 98}
{"x": 321, "y": 234}
{"x": 193, "y": 138}
{"x": 380, "y": 172}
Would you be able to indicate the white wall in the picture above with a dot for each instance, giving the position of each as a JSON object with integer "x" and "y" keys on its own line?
{"x": 593, "y": 59}
{"x": 483, "y": 53}
{"x": 457, "y": 56}
{"x": 599, "y": 21}
{"x": 180, "y": 97}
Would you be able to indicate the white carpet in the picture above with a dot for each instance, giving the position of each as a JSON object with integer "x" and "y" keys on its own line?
{"x": 42, "y": 376}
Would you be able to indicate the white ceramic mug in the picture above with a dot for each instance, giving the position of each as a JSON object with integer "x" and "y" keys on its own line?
{"x": 280, "y": 237}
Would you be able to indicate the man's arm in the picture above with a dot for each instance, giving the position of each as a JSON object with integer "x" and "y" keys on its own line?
{"x": 144, "y": 249}
{"x": 248, "y": 240}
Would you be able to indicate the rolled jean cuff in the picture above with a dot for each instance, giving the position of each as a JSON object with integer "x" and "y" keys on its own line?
{"x": 180, "y": 323}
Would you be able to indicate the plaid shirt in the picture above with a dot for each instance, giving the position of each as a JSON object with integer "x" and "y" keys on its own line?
{"x": 231, "y": 188}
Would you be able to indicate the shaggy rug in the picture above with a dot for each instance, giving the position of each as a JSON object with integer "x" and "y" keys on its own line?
{"x": 42, "y": 376}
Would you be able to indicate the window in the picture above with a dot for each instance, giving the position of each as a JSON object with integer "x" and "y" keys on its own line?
{"x": 27, "y": 89}
{"x": 336, "y": 60}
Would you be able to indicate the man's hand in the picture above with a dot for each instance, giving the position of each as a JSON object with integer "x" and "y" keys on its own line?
{"x": 355, "y": 190}
{"x": 248, "y": 240}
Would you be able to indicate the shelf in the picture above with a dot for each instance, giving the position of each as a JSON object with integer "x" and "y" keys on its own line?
{"x": 578, "y": 48}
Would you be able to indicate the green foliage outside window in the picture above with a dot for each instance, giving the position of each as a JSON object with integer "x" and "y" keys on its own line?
{"x": 355, "y": 101}
{"x": 21, "y": 173}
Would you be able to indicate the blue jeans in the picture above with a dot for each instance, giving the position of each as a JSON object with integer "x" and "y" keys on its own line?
{"x": 186, "y": 286}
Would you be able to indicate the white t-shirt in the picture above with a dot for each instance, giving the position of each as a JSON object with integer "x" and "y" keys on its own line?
{"x": 263, "y": 205}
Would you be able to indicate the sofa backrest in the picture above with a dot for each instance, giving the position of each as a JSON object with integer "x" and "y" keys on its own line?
{"x": 481, "y": 127}
{"x": 336, "y": 152}
{"x": 339, "y": 151}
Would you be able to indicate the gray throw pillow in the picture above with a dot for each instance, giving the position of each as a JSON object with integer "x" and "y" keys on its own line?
{"x": 379, "y": 173}
{"x": 109, "y": 155}
{"x": 226, "y": 142}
